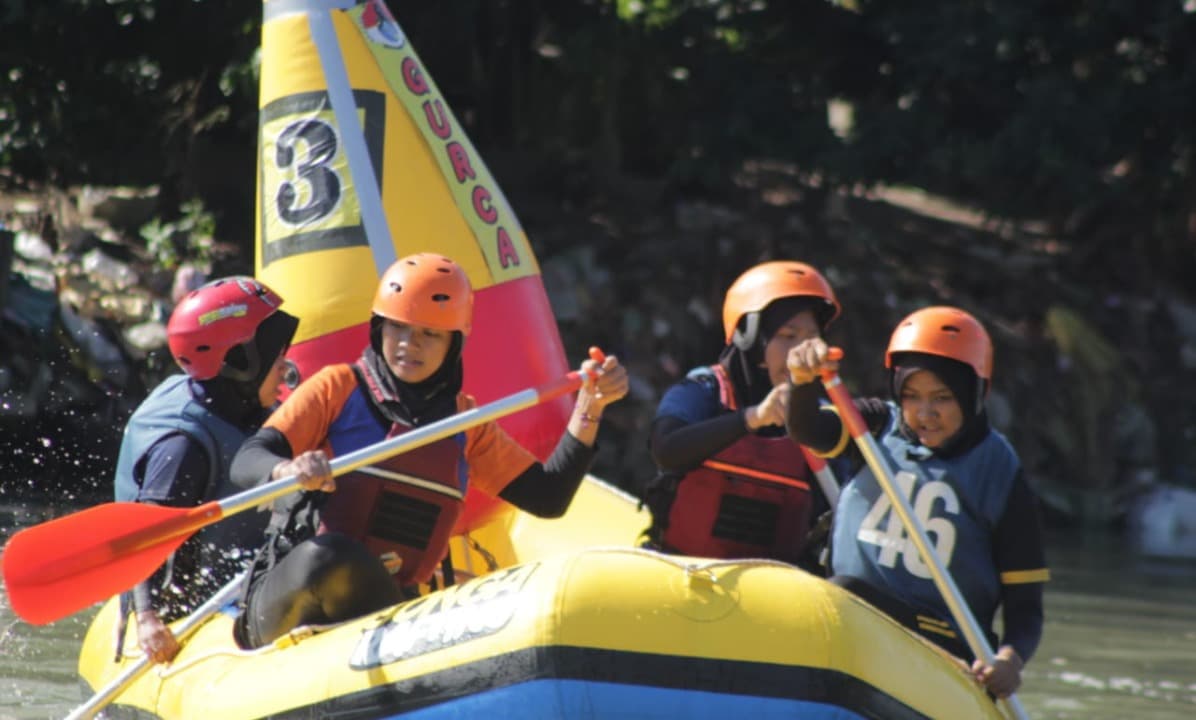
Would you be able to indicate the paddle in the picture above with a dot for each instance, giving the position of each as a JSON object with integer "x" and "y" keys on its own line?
{"x": 824, "y": 475}
{"x": 59, "y": 567}
{"x": 884, "y": 476}
{"x": 190, "y": 624}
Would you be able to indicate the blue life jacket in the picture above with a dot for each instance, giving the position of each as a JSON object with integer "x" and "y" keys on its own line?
{"x": 171, "y": 408}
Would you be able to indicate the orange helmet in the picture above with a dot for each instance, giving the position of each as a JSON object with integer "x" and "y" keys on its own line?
{"x": 947, "y": 332}
{"x": 426, "y": 289}
{"x": 767, "y": 282}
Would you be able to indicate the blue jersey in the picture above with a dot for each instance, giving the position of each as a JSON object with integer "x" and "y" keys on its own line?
{"x": 959, "y": 502}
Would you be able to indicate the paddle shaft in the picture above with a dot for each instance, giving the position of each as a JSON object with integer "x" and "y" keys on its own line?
{"x": 189, "y": 625}
{"x": 939, "y": 573}
{"x": 406, "y": 442}
{"x": 824, "y": 475}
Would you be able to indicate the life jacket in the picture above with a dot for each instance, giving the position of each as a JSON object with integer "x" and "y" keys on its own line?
{"x": 403, "y": 508}
{"x": 223, "y": 548}
{"x": 171, "y": 408}
{"x": 752, "y": 499}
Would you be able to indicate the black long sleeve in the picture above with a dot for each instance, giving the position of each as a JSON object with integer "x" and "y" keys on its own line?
{"x": 255, "y": 461}
{"x": 678, "y": 446}
{"x": 545, "y": 490}
{"x": 1022, "y": 615}
{"x": 806, "y": 421}
{"x": 817, "y": 427}
{"x": 1018, "y": 546}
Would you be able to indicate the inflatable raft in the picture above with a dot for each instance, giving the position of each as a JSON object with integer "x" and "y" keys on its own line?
{"x": 576, "y": 627}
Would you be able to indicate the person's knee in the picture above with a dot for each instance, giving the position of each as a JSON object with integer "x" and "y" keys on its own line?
{"x": 326, "y": 555}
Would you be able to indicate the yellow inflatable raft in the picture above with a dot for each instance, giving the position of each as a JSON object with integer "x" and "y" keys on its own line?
{"x": 577, "y": 627}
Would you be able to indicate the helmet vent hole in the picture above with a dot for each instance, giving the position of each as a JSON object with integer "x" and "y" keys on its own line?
{"x": 441, "y": 297}
{"x": 395, "y": 287}
{"x": 203, "y": 348}
{"x": 184, "y": 360}
{"x": 444, "y": 270}
{"x": 951, "y": 329}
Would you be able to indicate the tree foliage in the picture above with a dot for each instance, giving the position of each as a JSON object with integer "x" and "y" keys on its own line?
{"x": 1076, "y": 113}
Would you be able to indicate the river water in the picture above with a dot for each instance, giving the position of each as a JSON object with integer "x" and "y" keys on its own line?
{"x": 1120, "y": 638}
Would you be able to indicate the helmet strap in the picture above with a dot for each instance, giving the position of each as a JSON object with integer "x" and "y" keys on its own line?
{"x": 745, "y": 337}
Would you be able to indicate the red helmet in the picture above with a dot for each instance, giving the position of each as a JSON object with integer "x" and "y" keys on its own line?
{"x": 947, "y": 332}
{"x": 426, "y": 289}
{"x": 763, "y": 284}
{"x": 213, "y": 319}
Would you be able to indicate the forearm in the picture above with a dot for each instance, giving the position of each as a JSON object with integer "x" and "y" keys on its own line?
{"x": 1023, "y": 618}
{"x": 809, "y": 423}
{"x": 583, "y": 423}
{"x": 143, "y": 597}
{"x": 677, "y": 446}
{"x": 819, "y": 427}
{"x": 546, "y": 490}
{"x": 255, "y": 461}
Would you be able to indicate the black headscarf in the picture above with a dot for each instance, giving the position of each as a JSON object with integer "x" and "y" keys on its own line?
{"x": 412, "y": 403}
{"x": 964, "y": 384}
{"x": 237, "y": 400}
{"x": 745, "y": 367}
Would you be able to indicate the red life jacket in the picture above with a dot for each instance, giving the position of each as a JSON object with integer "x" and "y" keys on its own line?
{"x": 752, "y": 499}
{"x": 403, "y": 509}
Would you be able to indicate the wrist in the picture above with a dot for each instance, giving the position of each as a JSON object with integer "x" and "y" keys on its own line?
{"x": 589, "y": 415}
{"x": 802, "y": 377}
{"x": 1008, "y": 654}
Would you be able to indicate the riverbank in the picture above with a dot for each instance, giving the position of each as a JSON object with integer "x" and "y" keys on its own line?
{"x": 1093, "y": 378}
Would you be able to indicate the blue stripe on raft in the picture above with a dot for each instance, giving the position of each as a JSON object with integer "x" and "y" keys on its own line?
{"x": 551, "y": 699}
{"x": 565, "y": 681}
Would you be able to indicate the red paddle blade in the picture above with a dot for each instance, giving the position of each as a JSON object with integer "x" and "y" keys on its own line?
{"x": 59, "y": 567}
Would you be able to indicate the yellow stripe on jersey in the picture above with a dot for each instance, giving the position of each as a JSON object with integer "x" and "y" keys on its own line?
{"x": 936, "y": 626}
{"x": 1021, "y": 577}
{"x": 928, "y": 619}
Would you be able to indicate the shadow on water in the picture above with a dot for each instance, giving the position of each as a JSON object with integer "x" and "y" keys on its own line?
{"x": 1120, "y": 637}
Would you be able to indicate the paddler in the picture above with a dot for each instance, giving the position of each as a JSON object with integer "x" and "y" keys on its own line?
{"x": 365, "y": 541}
{"x": 229, "y": 337}
{"x": 730, "y": 483}
{"x": 967, "y": 490}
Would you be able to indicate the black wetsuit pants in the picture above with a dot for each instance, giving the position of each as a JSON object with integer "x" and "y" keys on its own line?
{"x": 329, "y": 578}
